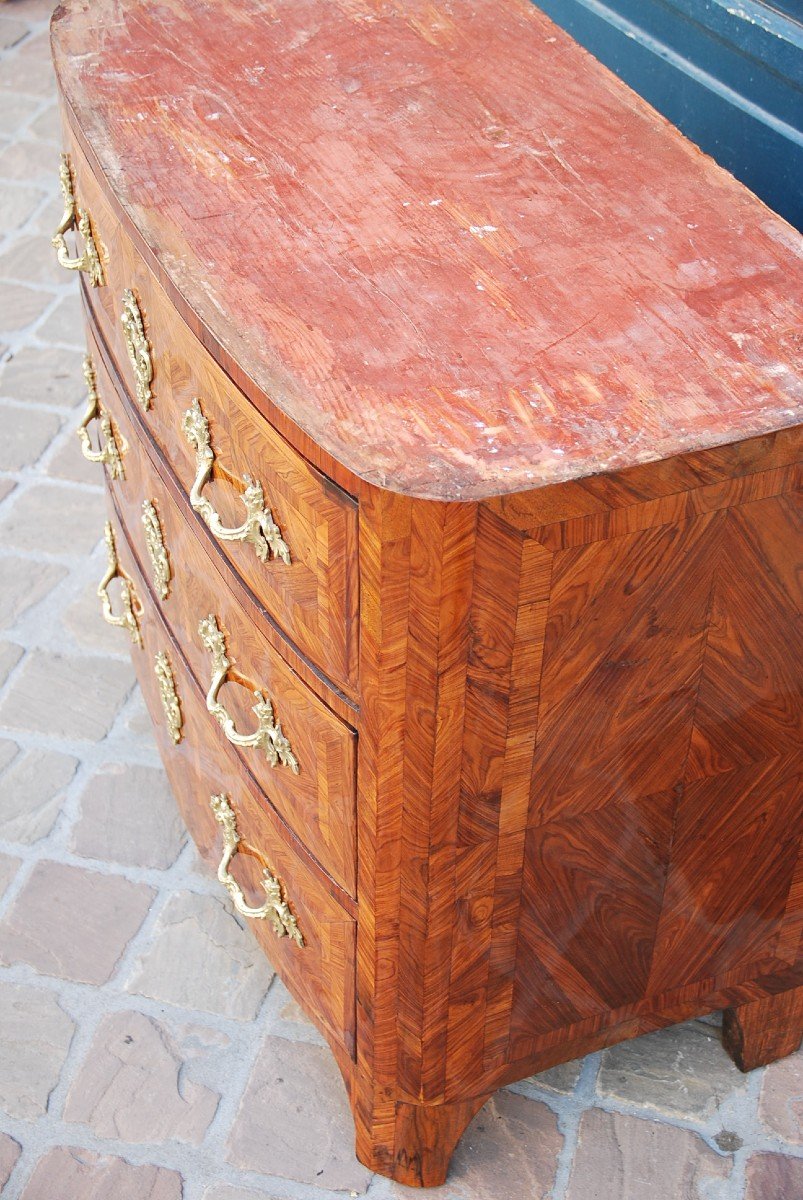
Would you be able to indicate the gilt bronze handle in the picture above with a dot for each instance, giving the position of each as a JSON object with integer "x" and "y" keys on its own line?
{"x": 268, "y": 735}
{"x": 138, "y": 347}
{"x": 73, "y": 218}
{"x": 275, "y": 909}
{"x": 169, "y": 695}
{"x": 157, "y": 551}
{"x": 259, "y": 527}
{"x": 109, "y": 452}
{"x": 128, "y": 618}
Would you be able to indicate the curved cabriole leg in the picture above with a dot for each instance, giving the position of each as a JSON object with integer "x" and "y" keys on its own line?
{"x": 762, "y": 1031}
{"x": 414, "y": 1143}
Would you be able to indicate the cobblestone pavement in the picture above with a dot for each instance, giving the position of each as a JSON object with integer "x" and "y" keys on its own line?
{"x": 146, "y": 1051}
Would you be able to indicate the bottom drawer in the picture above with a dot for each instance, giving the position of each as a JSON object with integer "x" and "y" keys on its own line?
{"x": 306, "y": 933}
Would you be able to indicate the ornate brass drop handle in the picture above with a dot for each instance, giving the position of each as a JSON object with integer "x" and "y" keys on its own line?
{"x": 138, "y": 347}
{"x": 157, "y": 551}
{"x": 275, "y": 909}
{"x": 109, "y": 452}
{"x": 68, "y": 218}
{"x": 268, "y": 735}
{"x": 259, "y": 527}
{"x": 128, "y": 617}
{"x": 169, "y": 695}
{"x": 72, "y": 218}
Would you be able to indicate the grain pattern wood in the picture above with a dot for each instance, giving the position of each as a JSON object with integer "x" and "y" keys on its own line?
{"x": 318, "y": 803}
{"x": 764, "y": 1030}
{"x": 517, "y": 295}
{"x": 574, "y": 676}
{"x": 321, "y": 973}
{"x": 250, "y": 602}
{"x": 314, "y": 597}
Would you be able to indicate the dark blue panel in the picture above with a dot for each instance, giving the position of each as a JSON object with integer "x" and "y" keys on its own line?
{"x": 729, "y": 73}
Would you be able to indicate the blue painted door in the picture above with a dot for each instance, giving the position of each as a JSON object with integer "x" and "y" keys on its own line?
{"x": 729, "y": 73}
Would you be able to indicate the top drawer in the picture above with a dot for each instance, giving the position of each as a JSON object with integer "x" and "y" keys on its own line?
{"x": 293, "y": 513}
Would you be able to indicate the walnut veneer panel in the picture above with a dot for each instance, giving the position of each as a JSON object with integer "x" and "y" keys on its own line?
{"x": 314, "y": 597}
{"x": 318, "y": 803}
{"x": 551, "y": 353}
{"x": 320, "y": 974}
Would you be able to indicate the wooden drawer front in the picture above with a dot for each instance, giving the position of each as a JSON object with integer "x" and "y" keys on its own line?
{"x": 318, "y": 802}
{"x": 320, "y": 973}
{"x": 314, "y": 597}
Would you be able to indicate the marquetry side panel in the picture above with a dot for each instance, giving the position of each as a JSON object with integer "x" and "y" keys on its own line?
{"x": 650, "y": 492}
{"x": 731, "y": 892}
{"x": 385, "y": 530}
{"x": 442, "y": 579}
{"x": 630, "y": 814}
{"x": 525, "y": 695}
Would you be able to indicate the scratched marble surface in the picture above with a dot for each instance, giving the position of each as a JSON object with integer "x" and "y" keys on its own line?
{"x": 446, "y": 242}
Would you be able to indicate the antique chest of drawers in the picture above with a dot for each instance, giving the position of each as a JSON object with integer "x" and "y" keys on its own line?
{"x": 449, "y": 404}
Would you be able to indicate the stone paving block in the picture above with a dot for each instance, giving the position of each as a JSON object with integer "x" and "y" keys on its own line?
{"x": 29, "y": 162}
{"x": 292, "y": 1011}
{"x": 781, "y": 1103}
{"x": 50, "y": 215}
{"x": 197, "y": 864}
{"x": 65, "y": 324}
{"x": 38, "y": 10}
{"x": 288, "y": 1019}
{"x": 17, "y": 203}
{"x": 626, "y": 1158}
{"x": 35, "y": 1035}
{"x": 225, "y": 1191}
{"x": 10, "y": 654}
{"x": 25, "y": 583}
{"x": 682, "y": 1069}
{"x": 138, "y": 725}
{"x": 21, "y": 71}
{"x": 128, "y": 815}
{"x": 27, "y": 433}
{"x": 510, "y": 1149}
{"x": 46, "y": 126}
{"x": 69, "y": 463}
{"x": 6, "y": 485}
{"x": 66, "y": 697}
{"x": 138, "y": 720}
{"x": 774, "y": 1177}
{"x": 31, "y": 794}
{"x": 561, "y": 1079}
{"x": 131, "y": 1085}
{"x": 8, "y": 870}
{"x": 69, "y": 1173}
{"x": 44, "y": 375}
{"x": 200, "y": 957}
{"x": 8, "y": 752}
{"x": 56, "y": 520}
{"x": 316, "y": 1145}
{"x": 30, "y": 259}
{"x": 11, "y": 32}
{"x": 20, "y": 305}
{"x": 15, "y": 111}
{"x": 37, "y": 46}
{"x": 9, "y": 1153}
{"x": 73, "y": 923}
{"x": 83, "y": 621}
